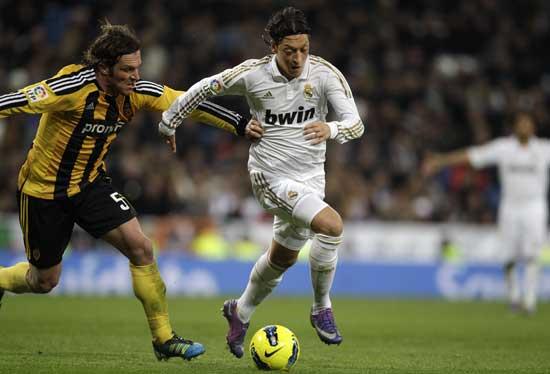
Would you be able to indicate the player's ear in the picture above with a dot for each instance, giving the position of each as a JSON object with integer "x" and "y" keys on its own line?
{"x": 274, "y": 47}
{"x": 103, "y": 69}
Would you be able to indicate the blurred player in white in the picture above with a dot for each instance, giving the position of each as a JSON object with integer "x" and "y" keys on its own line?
{"x": 288, "y": 93}
{"x": 522, "y": 161}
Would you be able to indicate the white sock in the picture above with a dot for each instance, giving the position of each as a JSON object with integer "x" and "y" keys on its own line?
{"x": 512, "y": 286}
{"x": 264, "y": 277}
{"x": 323, "y": 257}
{"x": 531, "y": 283}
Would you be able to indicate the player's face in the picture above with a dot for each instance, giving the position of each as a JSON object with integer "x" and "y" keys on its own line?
{"x": 291, "y": 54}
{"x": 524, "y": 127}
{"x": 125, "y": 74}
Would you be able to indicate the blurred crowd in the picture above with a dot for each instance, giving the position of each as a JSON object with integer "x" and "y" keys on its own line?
{"x": 427, "y": 76}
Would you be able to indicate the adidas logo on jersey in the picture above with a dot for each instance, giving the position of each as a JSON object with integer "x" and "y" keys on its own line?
{"x": 289, "y": 118}
{"x": 268, "y": 95}
{"x": 90, "y": 106}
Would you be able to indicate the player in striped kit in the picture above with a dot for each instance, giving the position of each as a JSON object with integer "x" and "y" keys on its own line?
{"x": 288, "y": 93}
{"x": 522, "y": 161}
{"x": 63, "y": 180}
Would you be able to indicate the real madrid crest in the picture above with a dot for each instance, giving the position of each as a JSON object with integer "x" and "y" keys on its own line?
{"x": 308, "y": 91}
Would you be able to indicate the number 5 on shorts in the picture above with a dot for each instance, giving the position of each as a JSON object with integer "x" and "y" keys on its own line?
{"x": 120, "y": 199}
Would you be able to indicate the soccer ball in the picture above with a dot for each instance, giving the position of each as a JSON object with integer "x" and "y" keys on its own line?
{"x": 274, "y": 347}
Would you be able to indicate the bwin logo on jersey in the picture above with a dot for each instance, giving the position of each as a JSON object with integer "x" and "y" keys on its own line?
{"x": 289, "y": 118}
{"x": 101, "y": 129}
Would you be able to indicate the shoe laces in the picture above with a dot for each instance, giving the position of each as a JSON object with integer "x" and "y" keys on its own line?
{"x": 179, "y": 339}
{"x": 325, "y": 320}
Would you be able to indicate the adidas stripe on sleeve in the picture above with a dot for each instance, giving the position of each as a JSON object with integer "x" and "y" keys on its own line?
{"x": 149, "y": 88}
{"x": 40, "y": 98}
{"x": 70, "y": 83}
{"x": 12, "y": 100}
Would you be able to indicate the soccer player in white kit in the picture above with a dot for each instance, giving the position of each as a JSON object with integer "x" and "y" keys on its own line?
{"x": 288, "y": 93}
{"x": 522, "y": 161}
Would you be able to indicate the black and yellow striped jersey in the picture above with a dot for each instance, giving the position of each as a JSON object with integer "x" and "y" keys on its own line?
{"x": 79, "y": 123}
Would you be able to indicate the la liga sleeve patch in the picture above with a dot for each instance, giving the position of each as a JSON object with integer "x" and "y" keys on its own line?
{"x": 37, "y": 93}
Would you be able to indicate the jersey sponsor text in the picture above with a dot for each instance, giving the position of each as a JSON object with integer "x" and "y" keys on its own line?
{"x": 289, "y": 118}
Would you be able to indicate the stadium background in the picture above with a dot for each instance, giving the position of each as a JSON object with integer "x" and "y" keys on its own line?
{"x": 432, "y": 75}
{"x": 426, "y": 76}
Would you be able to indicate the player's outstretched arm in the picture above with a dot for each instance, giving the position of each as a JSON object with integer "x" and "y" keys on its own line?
{"x": 433, "y": 162}
{"x": 34, "y": 99}
{"x": 186, "y": 104}
{"x": 13, "y": 103}
{"x": 229, "y": 82}
{"x": 218, "y": 116}
{"x": 221, "y": 117}
{"x": 233, "y": 123}
{"x": 157, "y": 97}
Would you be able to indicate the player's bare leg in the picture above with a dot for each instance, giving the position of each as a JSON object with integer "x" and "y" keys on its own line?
{"x": 24, "y": 277}
{"x": 14, "y": 278}
{"x": 27, "y": 278}
{"x": 149, "y": 288}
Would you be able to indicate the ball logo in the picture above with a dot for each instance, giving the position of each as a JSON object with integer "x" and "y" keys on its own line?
{"x": 271, "y": 334}
{"x": 269, "y": 354}
{"x": 216, "y": 86}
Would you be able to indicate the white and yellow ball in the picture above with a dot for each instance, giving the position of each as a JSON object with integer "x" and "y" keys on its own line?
{"x": 274, "y": 347}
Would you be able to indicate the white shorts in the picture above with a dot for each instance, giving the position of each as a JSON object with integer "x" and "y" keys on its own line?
{"x": 294, "y": 205}
{"x": 523, "y": 229}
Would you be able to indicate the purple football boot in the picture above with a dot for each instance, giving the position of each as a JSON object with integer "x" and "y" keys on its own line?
{"x": 324, "y": 325}
{"x": 237, "y": 329}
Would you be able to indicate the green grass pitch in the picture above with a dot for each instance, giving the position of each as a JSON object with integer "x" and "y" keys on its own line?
{"x": 42, "y": 334}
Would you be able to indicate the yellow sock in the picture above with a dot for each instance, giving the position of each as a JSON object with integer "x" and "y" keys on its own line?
{"x": 14, "y": 278}
{"x": 151, "y": 291}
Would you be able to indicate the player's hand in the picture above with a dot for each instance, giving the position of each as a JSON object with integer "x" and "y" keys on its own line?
{"x": 430, "y": 164}
{"x": 171, "y": 141}
{"x": 254, "y": 130}
{"x": 168, "y": 134}
{"x": 317, "y": 132}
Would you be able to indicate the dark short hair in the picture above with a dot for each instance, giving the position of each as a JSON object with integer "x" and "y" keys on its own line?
{"x": 523, "y": 113}
{"x": 285, "y": 22}
{"x": 113, "y": 42}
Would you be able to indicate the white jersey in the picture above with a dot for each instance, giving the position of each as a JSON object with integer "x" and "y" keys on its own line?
{"x": 523, "y": 169}
{"x": 283, "y": 107}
